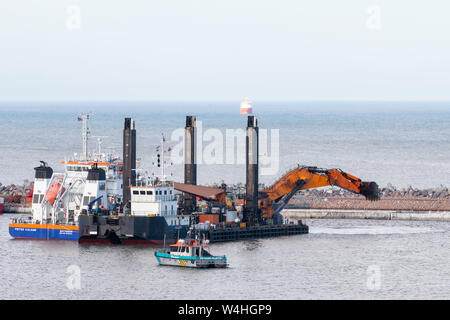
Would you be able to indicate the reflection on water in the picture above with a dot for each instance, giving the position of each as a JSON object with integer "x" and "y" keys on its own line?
{"x": 373, "y": 230}
{"x": 332, "y": 262}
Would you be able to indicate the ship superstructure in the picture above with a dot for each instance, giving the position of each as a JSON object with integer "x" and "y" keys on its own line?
{"x": 151, "y": 214}
{"x": 59, "y": 198}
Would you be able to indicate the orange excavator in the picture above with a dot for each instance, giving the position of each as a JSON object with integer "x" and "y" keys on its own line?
{"x": 273, "y": 199}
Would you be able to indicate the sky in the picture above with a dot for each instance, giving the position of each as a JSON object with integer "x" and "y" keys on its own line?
{"x": 210, "y": 50}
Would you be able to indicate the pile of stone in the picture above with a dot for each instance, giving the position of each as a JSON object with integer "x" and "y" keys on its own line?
{"x": 15, "y": 193}
{"x": 389, "y": 191}
{"x": 406, "y": 199}
{"x": 440, "y": 192}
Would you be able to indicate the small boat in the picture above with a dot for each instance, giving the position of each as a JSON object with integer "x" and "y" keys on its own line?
{"x": 190, "y": 253}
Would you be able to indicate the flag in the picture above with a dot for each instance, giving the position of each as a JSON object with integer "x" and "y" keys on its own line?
{"x": 164, "y": 139}
{"x": 170, "y": 149}
{"x": 79, "y": 119}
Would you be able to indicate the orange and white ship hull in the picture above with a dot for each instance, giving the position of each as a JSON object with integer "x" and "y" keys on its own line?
{"x": 246, "y": 106}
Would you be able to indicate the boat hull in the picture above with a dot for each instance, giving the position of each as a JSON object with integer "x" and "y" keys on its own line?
{"x": 129, "y": 230}
{"x": 43, "y": 231}
{"x": 124, "y": 241}
{"x": 167, "y": 259}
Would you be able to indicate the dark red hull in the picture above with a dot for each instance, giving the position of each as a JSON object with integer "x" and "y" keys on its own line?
{"x": 124, "y": 241}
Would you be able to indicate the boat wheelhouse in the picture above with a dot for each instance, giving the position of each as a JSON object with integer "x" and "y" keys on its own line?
{"x": 157, "y": 199}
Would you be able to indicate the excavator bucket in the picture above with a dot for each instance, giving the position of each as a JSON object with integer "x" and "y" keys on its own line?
{"x": 370, "y": 190}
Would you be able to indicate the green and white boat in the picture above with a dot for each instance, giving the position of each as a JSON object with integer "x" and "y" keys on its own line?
{"x": 190, "y": 253}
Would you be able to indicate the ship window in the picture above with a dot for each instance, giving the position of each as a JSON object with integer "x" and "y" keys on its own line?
{"x": 85, "y": 201}
{"x": 36, "y": 198}
{"x": 187, "y": 249}
{"x": 142, "y": 192}
{"x": 150, "y": 192}
{"x": 165, "y": 191}
{"x": 135, "y": 192}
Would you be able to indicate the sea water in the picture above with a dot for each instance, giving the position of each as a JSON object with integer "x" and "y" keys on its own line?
{"x": 399, "y": 143}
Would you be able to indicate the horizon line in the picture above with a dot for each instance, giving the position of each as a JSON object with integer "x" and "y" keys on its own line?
{"x": 217, "y": 100}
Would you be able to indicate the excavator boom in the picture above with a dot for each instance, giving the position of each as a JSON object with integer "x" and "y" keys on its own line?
{"x": 316, "y": 178}
{"x": 276, "y": 196}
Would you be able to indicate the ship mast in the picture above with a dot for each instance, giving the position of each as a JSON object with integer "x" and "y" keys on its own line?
{"x": 163, "y": 176}
{"x": 85, "y": 134}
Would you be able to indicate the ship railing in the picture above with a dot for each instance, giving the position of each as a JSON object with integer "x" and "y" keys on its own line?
{"x": 22, "y": 220}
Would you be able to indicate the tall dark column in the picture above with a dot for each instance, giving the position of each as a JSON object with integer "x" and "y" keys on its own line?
{"x": 251, "y": 199}
{"x": 129, "y": 159}
{"x": 190, "y": 161}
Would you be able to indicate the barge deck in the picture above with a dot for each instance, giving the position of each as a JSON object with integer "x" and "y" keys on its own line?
{"x": 253, "y": 232}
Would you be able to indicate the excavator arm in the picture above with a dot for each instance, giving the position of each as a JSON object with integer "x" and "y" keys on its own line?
{"x": 278, "y": 195}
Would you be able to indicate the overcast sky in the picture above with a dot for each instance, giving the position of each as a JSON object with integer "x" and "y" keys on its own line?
{"x": 190, "y": 50}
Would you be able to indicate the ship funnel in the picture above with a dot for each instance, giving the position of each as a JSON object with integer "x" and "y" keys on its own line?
{"x": 43, "y": 171}
{"x": 251, "y": 199}
{"x": 129, "y": 159}
{"x": 190, "y": 161}
{"x": 96, "y": 174}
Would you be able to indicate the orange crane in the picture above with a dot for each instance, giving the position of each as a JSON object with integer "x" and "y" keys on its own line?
{"x": 273, "y": 199}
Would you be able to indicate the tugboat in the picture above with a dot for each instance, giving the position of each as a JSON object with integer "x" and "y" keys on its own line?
{"x": 190, "y": 253}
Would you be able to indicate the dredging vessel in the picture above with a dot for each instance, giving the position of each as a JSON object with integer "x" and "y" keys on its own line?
{"x": 212, "y": 212}
{"x": 58, "y": 199}
{"x": 103, "y": 200}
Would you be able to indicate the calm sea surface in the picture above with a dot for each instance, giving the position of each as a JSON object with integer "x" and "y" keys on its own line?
{"x": 350, "y": 259}
{"x": 339, "y": 259}
{"x": 399, "y": 143}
